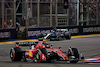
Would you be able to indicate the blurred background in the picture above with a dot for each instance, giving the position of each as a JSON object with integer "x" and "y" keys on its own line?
{"x": 48, "y": 13}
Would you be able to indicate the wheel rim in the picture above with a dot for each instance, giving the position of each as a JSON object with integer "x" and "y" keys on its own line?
{"x": 11, "y": 55}
{"x": 37, "y": 56}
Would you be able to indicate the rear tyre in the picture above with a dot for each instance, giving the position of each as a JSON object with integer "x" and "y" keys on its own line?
{"x": 16, "y": 54}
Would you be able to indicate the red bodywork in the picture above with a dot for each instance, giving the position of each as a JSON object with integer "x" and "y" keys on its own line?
{"x": 31, "y": 52}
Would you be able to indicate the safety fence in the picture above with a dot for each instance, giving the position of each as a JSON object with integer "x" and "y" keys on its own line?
{"x": 48, "y": 13}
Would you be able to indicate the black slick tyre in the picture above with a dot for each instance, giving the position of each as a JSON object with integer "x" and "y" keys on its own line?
{"x": 76, "y": 54}
{"x": 16, "y": 54}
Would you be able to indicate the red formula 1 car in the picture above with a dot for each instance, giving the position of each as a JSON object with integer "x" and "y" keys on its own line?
{"x": 44, "y": 52}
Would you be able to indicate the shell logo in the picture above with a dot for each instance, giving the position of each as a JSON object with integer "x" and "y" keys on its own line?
{"x": 30, "y": 53}
{"x": 59, "y": 51}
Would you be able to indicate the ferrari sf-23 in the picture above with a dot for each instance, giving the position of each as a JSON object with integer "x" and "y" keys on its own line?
{"x": 44, "y": 52}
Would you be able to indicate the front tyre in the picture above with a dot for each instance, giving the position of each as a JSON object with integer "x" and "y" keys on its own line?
{"x": 73, "y": 55}
{"x": 16, "y": 54}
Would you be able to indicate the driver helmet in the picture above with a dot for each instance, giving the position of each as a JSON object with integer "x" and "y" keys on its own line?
{"x": 53, "y": 31}
{"x": 17, "y": 45}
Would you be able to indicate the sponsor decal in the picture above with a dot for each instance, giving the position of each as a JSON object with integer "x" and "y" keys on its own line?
{"x": 62, "y": 30}
{"x": 5, "y": 34}
{"x": 59, "y": 51}
{"x": 34, "y": 33}
{"x": 74, "y": 30}
{"x": 91, "y": 29}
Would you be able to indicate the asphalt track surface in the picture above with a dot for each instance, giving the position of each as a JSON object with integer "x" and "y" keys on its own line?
{"x": 89, "y": 46}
